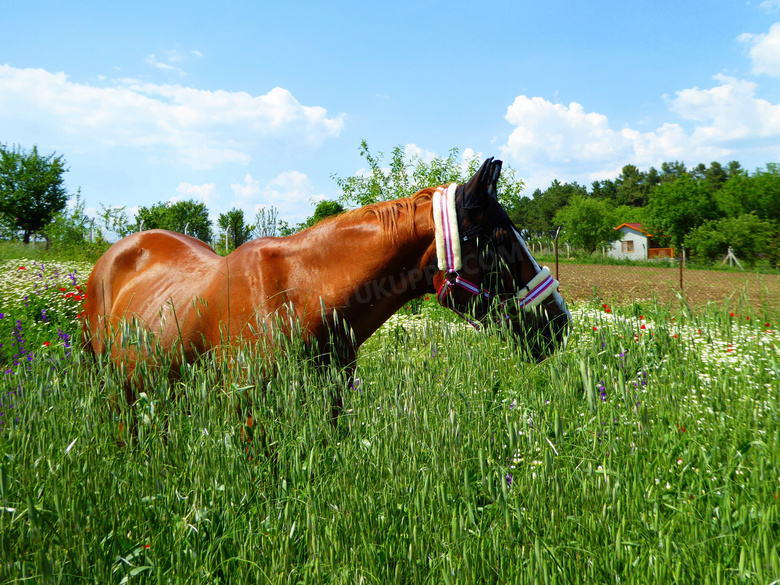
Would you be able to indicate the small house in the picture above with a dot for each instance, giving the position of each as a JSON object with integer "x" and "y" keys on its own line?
{"x": 636, "y": 244}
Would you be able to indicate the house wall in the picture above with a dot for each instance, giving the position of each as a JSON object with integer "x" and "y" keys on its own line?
{"x": 640, "y": 245}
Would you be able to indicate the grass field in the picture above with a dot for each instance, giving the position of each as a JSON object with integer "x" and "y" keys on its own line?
{"x": 644, "y": 451}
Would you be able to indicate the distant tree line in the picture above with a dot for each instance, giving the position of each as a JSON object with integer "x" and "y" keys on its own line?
{"x": 704, "y": 208}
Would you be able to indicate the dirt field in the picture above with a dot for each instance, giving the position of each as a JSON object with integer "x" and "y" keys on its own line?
{"x": 626, "y": 283}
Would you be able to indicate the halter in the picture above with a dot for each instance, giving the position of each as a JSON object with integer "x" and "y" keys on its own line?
{"x": 445, "y": 220}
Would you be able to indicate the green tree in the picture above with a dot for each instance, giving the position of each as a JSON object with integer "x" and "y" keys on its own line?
{"x": 677, "y": 207}
{"x": 758, "y": 193}
{"x": 748, "y": 235}
{"x": 69, "y": 227}
{"x": 267, "y": 223}
{"x": 403, "y": 177}
{"x": 407, "y": 175}
{"x": 190, "y": 215}
{"x": 588, "y": 223}
{"x": 31, "y": 189}
{"x": 715, "y": 176}
{"x": 324, "y": 209}
{"x": 633, "y": 186}
{"x": 539, "y": 218}
{"x": 606, "y": 189}
{"x": 629, "y": 214}
{"x": 671, "y": 171}
{"x": 733, "y": 169}
{"x": 114, "y": 219}
{"x": 237, "y": 231}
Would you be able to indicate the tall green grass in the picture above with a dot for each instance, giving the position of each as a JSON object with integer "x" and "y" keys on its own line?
{"x": 644, "y": 451}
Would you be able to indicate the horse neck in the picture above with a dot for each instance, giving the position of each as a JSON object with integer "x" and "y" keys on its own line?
{"x": 397, "y": 255}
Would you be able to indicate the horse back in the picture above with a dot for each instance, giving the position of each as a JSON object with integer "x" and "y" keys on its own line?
{"x": 138, "y": 275}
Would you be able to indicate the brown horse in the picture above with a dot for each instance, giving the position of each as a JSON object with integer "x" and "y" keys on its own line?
{"x": 357, "y": 268}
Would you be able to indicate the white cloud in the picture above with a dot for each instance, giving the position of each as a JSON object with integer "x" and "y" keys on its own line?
{"x": 728, "y": 112}
{"x": 292, "y": 181}
{"x": 173, "y": 58}
{"x": 249, "y": 190}
{"x": 764, "y": 50}
{"x": 169, "y": 122}
{"x": 568, "y": 143}
{"x": 206, "y": 193}
{"x": 548, "y": 133}
{"x": 152, "y": 60}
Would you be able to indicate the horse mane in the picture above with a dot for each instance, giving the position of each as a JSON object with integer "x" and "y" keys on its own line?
{"x": 388, "y": 213}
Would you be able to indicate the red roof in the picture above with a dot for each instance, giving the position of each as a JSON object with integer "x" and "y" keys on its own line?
{"x": 636, "y": 226}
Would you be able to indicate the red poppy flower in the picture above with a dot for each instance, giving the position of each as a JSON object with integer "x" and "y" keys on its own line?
{"x": 22, "y": 268}
{"x": 731, "y": 314}
{"x": 46, "y": 344}
{"x": 595, "y": 328}
{"x": 643, "y": 326}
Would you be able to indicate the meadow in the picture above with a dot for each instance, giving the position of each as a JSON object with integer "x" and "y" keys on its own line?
{"x": 644, "y": 451}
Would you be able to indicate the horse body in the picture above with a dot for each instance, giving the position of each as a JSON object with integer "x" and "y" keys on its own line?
{"x": 357, "y": 268}
{"x": 179, "y": 290}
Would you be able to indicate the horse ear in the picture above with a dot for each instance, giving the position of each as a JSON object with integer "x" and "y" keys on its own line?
{"x": 483, "y": 184}
{"x": 493, "y": 172}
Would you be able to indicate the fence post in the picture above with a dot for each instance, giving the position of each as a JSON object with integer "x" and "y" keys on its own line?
{"x": 682, "y": 261}
{"x": 557, "y": 232}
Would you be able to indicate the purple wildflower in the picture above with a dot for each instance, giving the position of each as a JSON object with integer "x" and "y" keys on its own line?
{"x": 66, "y": 343}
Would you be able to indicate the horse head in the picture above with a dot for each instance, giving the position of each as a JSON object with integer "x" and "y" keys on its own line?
{"x": 485, "y": 267}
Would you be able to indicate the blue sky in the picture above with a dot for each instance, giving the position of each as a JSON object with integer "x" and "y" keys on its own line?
{"x": 250, "y": 104}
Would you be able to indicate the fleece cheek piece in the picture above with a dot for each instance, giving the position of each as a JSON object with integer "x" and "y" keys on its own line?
{"x": 445, "y": 220}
